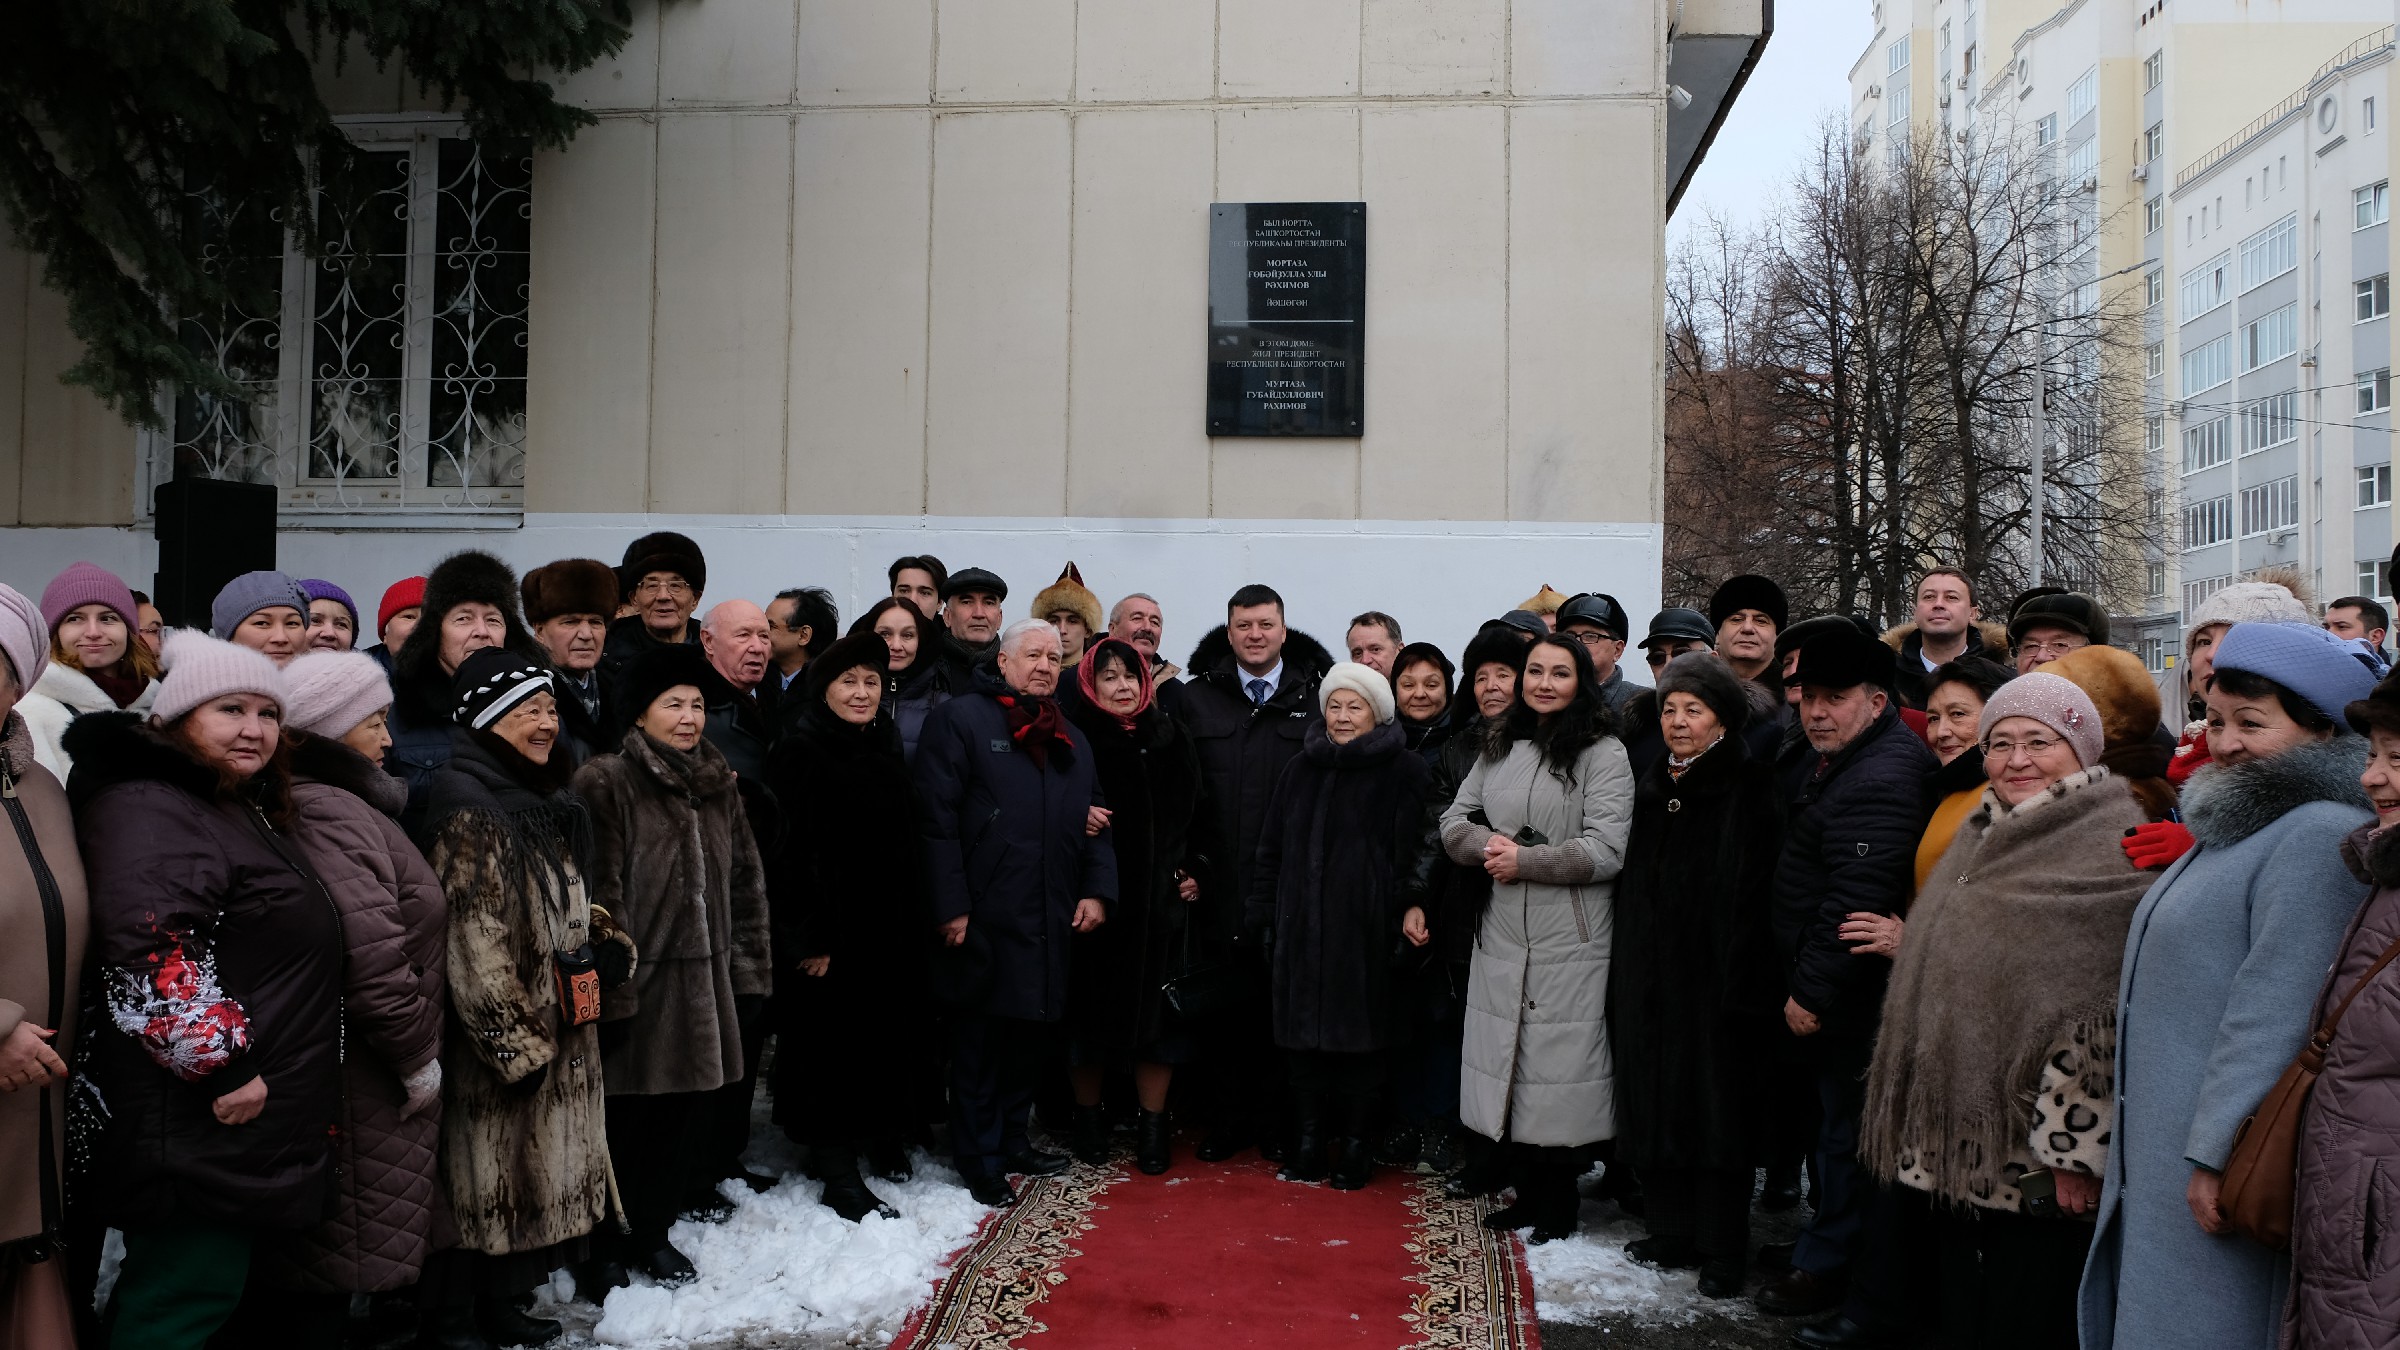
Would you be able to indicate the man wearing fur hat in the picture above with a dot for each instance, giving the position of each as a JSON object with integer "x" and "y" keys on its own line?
{"x": 470, "y": 603}
{"x": 662, "y": 577}
{"x": 1069, "y": 606}
{"x": 567, "y": 604}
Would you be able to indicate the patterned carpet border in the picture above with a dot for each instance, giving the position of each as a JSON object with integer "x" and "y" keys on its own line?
{"x": 989, "y": 1296}
{"x": 1478, "y": 1292}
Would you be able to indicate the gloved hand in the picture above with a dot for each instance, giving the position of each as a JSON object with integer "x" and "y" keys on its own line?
{"x": 2158, "y": 843}
{"x": 424, "y": 1088}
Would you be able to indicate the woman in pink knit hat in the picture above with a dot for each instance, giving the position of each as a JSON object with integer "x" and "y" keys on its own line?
{"x": 95, "y": 663}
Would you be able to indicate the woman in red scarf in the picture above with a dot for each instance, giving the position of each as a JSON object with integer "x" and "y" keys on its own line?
{"x": 1150, "y": 777}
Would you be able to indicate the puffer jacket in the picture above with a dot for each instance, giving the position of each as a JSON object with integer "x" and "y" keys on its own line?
{"x": 2346, "y": 1228}
{"x": 1536, "y": 1056}
{"x": 220, "y": 961}
{"x": 395, "y": 927}
{"x": 62, "y": 694}
{"x": 675, "y": 865}
{"x": 1851, "y": 847}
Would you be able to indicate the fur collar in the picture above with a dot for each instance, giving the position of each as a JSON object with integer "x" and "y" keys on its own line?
{"x": 325, "y": 760}
{"x": 1377, "y": 745}
{"x": 1303, "y": 656}
{"x": 1992, "y": 809}
{"x": 16, "y": 747}
{"x": 2372, "y": 853}
{"x": 1983, "y": 639}
{"x": 2227, "y": 803}
{"x": 121, "y": 747}
{"x": 698, "y": 772}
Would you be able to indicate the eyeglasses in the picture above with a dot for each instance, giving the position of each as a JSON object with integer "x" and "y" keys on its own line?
{"x": 2034, "y": 748}
{"x": 1591, "y": 639}
{"x": 651, "y": 588}
{"x": 2060, "y": 647}
{"x": 1658, "y": 656}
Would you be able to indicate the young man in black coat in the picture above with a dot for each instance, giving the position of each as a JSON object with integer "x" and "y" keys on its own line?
{"x": 1850, "y": 847}
{"x": 1251, "y": 698}
{"x": 1007, "y": 790}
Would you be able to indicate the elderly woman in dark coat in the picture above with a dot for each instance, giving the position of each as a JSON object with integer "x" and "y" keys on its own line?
{"x": 674, "y": 868}
{"x": 852, "y": 932}
{"x": 1327, "y": 892}
{"x": 1697, "y": 994}
{"x": 1150, "y": 775}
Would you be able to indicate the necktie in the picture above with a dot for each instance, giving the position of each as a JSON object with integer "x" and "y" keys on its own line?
{"x": 1259, "y": 689}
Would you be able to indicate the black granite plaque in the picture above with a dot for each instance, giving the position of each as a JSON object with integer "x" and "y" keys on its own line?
{"x": 1287, "y": 318}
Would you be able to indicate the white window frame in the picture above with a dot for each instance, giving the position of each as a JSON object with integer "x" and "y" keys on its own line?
{"x": 2374, "y": 486}
{"x": 2155, "y": 361}
{"x": 2209, "y": 523}
{"x": 2154, "y": 67}
{"x": 2197, "y": 591}
{"x": 2371, "y": 392}
{"x": 2083, "y": 95}
{"x": 2371, "y": 298}
{"x": 2045, "y": 130}
{"x": 2270, "y": 337}
{"x": 2270, "y": 253}
{"x": 2207, "y": 366}
{"x": 1895, "y": 57}
{"x": 2207, "y": 443}
{"x": 2375, "y": 577}
{"x": 2371, "y": 205}
{"x": 2204, "y": 288}
{"x": 2271, "y": 507}
{"x": 2271, "y": 421}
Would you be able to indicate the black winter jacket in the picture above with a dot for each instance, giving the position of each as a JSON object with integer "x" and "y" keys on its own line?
{"x": 212, "y": 939}
{"x": 1005, "y": 841}
{"x": 1243, "y": 748}
{"x": 1851, "y": 847}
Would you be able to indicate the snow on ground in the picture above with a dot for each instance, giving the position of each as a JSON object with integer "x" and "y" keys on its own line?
{"x": 1589, "y": 1277}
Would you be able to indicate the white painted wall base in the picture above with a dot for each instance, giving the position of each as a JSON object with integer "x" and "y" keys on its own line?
{"x": 1439, "y": 578}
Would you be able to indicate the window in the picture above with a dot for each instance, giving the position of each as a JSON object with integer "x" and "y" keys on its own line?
{"x": 2271, "y": 338}
{"x": 2208, "y": 365}
{"x": 2194, "y": 592}
{"x": 2374, "y": 485}
{"x": 2375, "y": 577}
{"x": 2374, "y": 392}
{"x": 2203, "y": 288}
{"x": 2156, "y": 360}
{"x": 1896, "y": 99}
{"x": 2207, "y": 444}
{"x": 2083, "y": 161}
{"x": 2045, "y": 131}
{"x": 2271, "y": 252}
{"x": 2372, "y": 298}
{"x": 2154, "y": 433}
{"x": 2366, "y": 113}
{"x": 1895, "y": 57}
{"x": 2083, "y": 95}
{"x": 2154, "y": 214}
{"x": 2158, "y": 581}
{"x": 393, "y": 375}
{"x": 2208, "y": 522}
{"x": 2271, "y": 506}
{"x": 2371, "y": 205}
{"x": 2154, "y": 141}
{"x": 2153, "y": 68}
{"x": 2271, "y": 421}
{"x": 2154, "y": 287}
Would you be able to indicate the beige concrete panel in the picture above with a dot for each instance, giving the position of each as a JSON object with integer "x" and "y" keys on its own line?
{"x": 1283, "y": 478}
{"x": 1437, "y": 314}
{"x": 1586, "y": 47}
{"x": 997, "y": 410}
{"x": 76, "y": 467}
{"x": 1287, "y": 48}
{"x": 1422, "y": 47}
{"x": 627, "y": 80}
{"x": 1004, "y": 51}
{"x": 859, "y": 231}
{"x": 1585, "y": 268}
{"x": 721, "y": 352}
{"x": 727, "y": 51}
{"x": 16, "y": 274}
{"x": 1137, "y": 437}
{"x": 1141, "y": 49}
{"x": 587, "y": 422}
{"x": 866, "y": 51}
{"x": 1287, "y": 154}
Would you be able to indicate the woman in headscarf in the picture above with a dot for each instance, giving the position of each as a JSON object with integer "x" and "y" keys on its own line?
{"x": 1150, "y": 776}
{"x": 851, "y": 907}
{"x": 524, "y": 1151}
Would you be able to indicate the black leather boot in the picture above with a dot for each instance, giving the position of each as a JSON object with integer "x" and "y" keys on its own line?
{"x": 1306, "y": 1160}
{"x": 846, "y": 1191}
{"x": 507, "y": 1324}
{"x": 1155, "y": 1149}
{"x": 1353, "y": 1168}
{"x": 1091, "y": 1134}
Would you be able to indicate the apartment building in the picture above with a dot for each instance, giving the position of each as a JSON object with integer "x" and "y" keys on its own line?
{"x": 2119, "y": 93}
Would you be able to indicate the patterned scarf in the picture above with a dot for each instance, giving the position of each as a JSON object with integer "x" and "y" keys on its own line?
{"x": 1087, "y": 678}
{"x": 1034, "y": 724}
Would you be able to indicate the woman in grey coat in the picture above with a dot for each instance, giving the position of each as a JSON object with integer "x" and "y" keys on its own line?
{"x": 1545, "y": 812}
{"x": 2222, "y": 964}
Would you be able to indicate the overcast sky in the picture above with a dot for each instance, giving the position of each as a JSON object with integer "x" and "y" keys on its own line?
{"x": 1804, "y": 75}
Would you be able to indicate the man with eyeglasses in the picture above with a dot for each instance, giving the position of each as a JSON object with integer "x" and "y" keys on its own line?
{"x": 1598, "y": 622}
{"x": 662, "y": 577}
{"x": 2046, "y": 625}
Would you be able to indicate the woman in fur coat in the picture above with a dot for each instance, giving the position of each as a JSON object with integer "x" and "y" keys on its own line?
{"x": 2221, "y": 968}
{"x": 853, "y": 931}
{"x": 675, "y": 869}
{"x": 1992, "y": 1073}
{"x": 1696, "y": 990}
{"x": 524, "y": 1153}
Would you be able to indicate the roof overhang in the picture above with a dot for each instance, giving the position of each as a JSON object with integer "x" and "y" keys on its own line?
{"x": 1715, "y": 45}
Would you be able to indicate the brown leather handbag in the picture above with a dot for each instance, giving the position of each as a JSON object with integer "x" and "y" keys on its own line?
{"x": 2262, "y": 1171}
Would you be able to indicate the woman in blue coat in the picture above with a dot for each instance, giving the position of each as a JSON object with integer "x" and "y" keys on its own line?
{"x": 2221, "y": 967}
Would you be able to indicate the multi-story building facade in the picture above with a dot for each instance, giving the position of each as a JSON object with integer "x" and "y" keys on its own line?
{"x": 831, "y": 281}
{"x": 2118, "y": 93}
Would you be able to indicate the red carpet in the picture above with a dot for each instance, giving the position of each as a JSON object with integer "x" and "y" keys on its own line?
{"x": 1219, "y": 1255}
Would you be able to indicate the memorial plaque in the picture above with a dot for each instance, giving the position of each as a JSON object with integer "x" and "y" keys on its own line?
{"x": 1287, "y": 306}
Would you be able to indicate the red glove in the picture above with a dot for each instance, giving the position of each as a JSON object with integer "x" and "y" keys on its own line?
{"x": 2157, "y": 844}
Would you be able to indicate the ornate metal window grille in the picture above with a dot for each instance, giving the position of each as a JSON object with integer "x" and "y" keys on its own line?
{"x": 388, "y": 372}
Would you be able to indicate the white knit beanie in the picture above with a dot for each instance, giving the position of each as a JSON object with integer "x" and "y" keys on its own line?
{"x": 328, "y": 693}
{"x": 200, "y": 667}
{"x": 2247, "y": 602}
{"x": 1362, "y": 681}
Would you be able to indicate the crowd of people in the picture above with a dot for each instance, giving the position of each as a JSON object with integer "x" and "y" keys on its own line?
{"x": 419, "y": 972}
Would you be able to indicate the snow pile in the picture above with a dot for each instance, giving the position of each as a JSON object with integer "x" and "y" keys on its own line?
{"x": 786, "y": 1265}
{"x": 1588, "y": 1277}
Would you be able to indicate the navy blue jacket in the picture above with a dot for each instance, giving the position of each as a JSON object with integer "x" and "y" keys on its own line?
{"x": 1006, "y": 846}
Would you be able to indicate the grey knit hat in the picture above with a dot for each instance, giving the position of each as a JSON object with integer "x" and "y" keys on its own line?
{"x": 251, "y": 592}
{"x": 2247, "y": 602}
{"x": 2056, "y": 703}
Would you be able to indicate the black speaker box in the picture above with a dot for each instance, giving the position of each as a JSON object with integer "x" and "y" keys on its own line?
{"x": 209, "y": 531}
